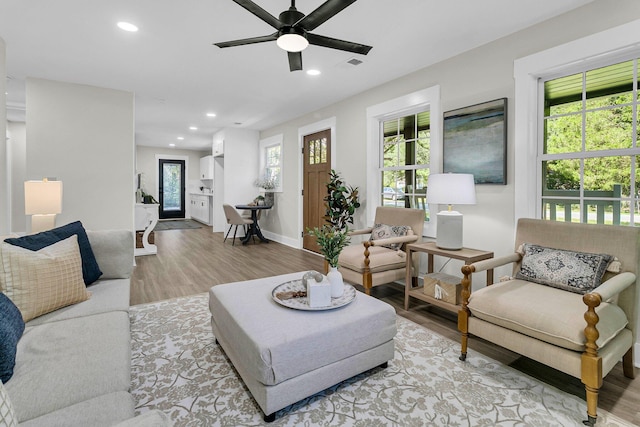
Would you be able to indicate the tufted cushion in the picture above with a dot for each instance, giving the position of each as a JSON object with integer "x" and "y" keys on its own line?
{"x": 11, "y": 329}
{"x": 380, "y": 258}
{"x": 7, "y": 414}
{"x": 90, "y": 269}
{"x": 384, "y": 231}
{"x": 545, "y": 313}
{"x": 43, "y": 281}
{"x": 577, "y": 272}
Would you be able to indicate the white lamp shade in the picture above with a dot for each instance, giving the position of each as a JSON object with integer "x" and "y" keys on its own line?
{"x": 451, "y": 189}
{"x": 42, "y": 197}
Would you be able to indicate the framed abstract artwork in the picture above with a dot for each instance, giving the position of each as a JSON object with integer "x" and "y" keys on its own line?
{"x": 475, "y": 141}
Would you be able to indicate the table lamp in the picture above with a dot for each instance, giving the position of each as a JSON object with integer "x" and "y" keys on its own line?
{"x": 450, "y": 189}
{"x": 43, "y": 201}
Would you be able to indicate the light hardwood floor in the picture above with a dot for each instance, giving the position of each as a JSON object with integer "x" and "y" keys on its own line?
{"x": 191, "y": 261}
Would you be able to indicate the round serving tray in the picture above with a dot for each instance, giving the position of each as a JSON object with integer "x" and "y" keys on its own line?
{"x": 302, "y": 304}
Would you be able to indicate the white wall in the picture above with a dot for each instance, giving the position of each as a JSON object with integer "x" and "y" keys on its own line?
{"x": 5, "y": 190}
{"x": 83, "y": 136}
{"x": 17, "y": 157}
{"x": 482, "y": 74}
{"x": 235, "y": 173}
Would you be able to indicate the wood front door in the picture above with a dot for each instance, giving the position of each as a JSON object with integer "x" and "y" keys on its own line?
{"x": 317, "y": 166}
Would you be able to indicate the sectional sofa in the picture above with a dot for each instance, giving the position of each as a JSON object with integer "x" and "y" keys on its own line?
{"x": 73, "y": 365}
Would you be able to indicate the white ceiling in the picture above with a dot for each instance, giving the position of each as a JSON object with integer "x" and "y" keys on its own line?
{"x": 178, "y": 75}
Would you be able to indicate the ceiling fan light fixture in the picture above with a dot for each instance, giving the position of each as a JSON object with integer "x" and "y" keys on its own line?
{"x": 292, "y": 40}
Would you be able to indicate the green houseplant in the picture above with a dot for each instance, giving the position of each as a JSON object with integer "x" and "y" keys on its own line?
{"x": 341, "y": 203}
{"x": 331, "y": 242}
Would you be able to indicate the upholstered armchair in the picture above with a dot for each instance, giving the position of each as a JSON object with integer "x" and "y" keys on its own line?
{"x": 573, "y": 307}
{"x": 382, "y": 258}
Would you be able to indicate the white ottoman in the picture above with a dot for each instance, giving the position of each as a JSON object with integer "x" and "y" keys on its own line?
{"x": 284, "y": 355}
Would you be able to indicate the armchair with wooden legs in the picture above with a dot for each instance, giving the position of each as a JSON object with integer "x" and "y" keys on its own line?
{"x": 559, "y": 309}
{"x": 374, "y": 262}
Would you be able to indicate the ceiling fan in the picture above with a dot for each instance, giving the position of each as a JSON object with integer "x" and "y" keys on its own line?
{"x": 293, "y": 30}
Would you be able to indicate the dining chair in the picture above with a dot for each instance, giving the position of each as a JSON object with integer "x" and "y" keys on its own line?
{"x": 234, "y": 218}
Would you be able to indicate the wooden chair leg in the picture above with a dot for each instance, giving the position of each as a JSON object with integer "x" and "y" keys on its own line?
{"x": 367, "y": 282}
{"x": 627, "y": 364}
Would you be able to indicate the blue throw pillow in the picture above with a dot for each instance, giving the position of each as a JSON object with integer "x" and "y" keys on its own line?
{"x": 11, "y": 329}
{"x": 90, "y": 269}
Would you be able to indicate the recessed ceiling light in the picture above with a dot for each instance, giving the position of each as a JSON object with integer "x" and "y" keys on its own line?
{"x": 211, "y": 114}
{"x": 172, "y": 145}
{"x": 127, "y": 26}
{"x": 193, "y": 128}
{"x": 313, "y": 72}
{"x": 180, "y": 138}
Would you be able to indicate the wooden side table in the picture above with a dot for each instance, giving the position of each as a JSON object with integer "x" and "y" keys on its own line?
{"x": 469, "y": 256}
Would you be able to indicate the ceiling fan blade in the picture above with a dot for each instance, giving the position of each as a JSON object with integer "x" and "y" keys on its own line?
{"x": 325, "y": 11}
{"x": 260, "y": 13}
{"x": 251, "y": 40}
{"x": 332, "y": 43}
{"x": 295, "y": 61}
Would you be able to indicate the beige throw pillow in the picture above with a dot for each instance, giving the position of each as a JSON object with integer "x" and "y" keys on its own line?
{"x": 42, "y": 281}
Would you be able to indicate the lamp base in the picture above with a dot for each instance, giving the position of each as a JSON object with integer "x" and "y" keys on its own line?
{"x": 449, "y": 231}
{"x": 42, "y": 222}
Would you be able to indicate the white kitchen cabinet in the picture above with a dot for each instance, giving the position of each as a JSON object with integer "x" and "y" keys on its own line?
{"x": 206, "y": 167}
{"x": 201, "y": 208}
{"x": 218, "y": 147}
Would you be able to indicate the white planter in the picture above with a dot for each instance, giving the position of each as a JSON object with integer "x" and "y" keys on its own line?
{"x": 337, "y": 284}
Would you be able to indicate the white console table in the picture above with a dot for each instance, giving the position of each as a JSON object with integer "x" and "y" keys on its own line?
{"x": 146, "y": 218}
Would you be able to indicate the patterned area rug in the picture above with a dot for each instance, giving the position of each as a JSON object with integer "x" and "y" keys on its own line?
{"x": 178, "y": 369}
{"x": 176, "y": 224}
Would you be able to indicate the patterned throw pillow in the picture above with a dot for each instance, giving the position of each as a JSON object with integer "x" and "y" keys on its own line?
{"x": 7, "y": 414}
{"x": 43, "y": 281}
{"x": 11, "y": 329}
{"x": 90, "y": 269}
{"x": 577, "y": 272}
{"x": 384, "y": 231}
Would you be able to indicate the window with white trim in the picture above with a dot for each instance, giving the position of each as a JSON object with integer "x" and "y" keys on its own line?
{"x": 589, "y": 154}
{"x": 404, "y": 164}
{"x": 396, "y": 166}
{"x": 271, "y": 163}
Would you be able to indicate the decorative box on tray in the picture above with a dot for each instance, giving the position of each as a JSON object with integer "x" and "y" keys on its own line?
{"x": 443, "y": 286}
{"x": 318, "y": 289}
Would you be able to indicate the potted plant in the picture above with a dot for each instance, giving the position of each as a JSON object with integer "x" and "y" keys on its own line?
{"x": 331, "y": 242}
{"x": 341, "y": 203}
{"x": 268, "y": 184}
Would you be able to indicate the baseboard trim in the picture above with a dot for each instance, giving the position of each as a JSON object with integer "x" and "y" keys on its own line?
{"x": 294, "y": 243}
{"x": 636, "y": 355}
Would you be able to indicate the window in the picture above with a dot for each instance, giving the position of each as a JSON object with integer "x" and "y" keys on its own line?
{"x": 589, "y": 146}
{"x": 271, "y": 161}
{"x": 405, "y": 151}
{"x": 400, "y": 155}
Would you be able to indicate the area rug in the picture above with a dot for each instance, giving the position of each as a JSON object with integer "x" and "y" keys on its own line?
{"x": 176, "y": 224}
{"x": 178, "y": 369}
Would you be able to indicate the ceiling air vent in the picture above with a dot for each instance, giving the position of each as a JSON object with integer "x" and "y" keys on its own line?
{"x": 354, "y": 61}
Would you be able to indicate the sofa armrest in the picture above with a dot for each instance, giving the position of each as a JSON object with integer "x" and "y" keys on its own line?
{"x": 391, "y": 240}
{"x": 113, "y": 250}
{"x": 615, "y": 285}
{"x": 491, "y": 263}
{"x": 361, "y": 231}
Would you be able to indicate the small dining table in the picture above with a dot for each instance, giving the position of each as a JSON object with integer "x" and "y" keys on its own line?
{"x": 254, "y": 228}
